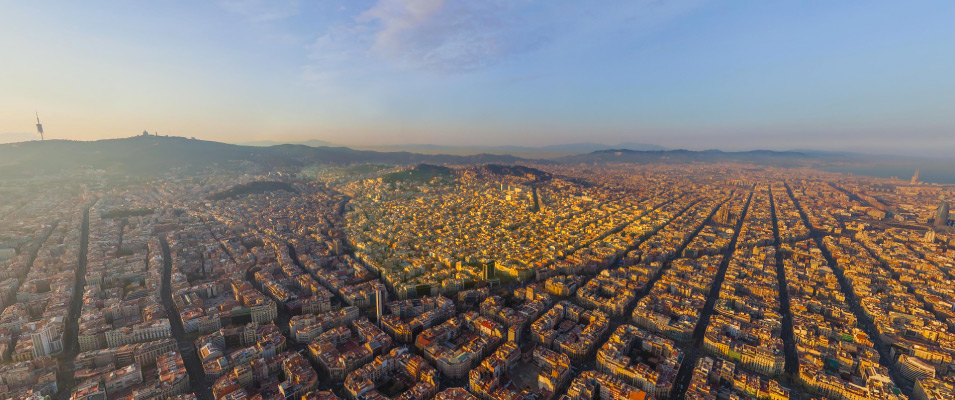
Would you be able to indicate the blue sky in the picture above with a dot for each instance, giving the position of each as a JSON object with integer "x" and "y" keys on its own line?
{"x": 850, "y": 75}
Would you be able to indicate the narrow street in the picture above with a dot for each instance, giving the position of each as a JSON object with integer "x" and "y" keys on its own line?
{"x": 197, "y": 378}
{"x": 789, "y": 342}
{"x": 622, "y": 226}
{"x": 70, "y": 342}
{"x": 33, "y": 254}
{"x": 666, "y": 265}
{"x": 907, "y": 285}
{"x": 691, "y": 352}
{"x": 853, "y": 302}
{"x": 625, "y": 318}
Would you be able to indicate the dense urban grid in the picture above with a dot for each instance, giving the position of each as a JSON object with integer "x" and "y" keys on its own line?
{"x": 514, "y": 282}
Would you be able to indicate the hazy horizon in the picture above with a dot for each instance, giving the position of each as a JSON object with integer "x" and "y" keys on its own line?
{"x": 477, "y": 199}
{"x": 870, "y": 77}
{"x": 557, "y": 150}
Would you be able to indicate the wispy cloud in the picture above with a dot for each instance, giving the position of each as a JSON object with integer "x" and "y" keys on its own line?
{"x": 262, "y": 10}
{"x": 436, "y": 35}
{"x": 334, "y": 52}
{"x": 452, "y": 36}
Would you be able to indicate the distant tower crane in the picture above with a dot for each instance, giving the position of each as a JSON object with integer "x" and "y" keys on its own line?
{"x": 39, "y": 126}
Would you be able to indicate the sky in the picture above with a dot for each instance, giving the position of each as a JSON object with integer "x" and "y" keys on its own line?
{"x": 871, "y": 76}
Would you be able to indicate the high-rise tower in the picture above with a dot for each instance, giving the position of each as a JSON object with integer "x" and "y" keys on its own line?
{"x": 941, "y": 214}
{"x": 379, "y": 305}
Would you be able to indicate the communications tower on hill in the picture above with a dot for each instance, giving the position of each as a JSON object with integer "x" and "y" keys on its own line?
{"x": 39, "y": 126}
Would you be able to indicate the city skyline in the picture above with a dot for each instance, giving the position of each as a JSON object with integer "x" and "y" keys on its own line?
{"x": 477, "y": 200}
{"x": 868, "y": 77}
{"x": 258, "y": 278}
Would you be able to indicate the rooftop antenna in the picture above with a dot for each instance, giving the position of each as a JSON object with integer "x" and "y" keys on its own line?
{"x": 39, "y": 126}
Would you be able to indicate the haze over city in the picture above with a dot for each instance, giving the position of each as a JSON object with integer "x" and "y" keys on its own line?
{"x": 857, "y": 75}
{"x": 477, "y": 200}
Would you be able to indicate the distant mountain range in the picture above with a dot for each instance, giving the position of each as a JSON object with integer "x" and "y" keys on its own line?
{"x": 765, "y": 157}
{"x": 524, "y": 151}
{"x": 157, "y": 154}
{"x": 310, "y": 142}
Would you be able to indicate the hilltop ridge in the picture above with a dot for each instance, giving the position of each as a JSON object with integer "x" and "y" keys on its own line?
{"x": 156, "y": 154}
